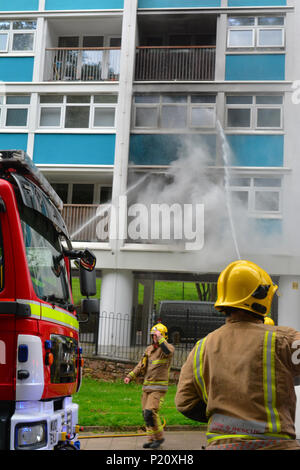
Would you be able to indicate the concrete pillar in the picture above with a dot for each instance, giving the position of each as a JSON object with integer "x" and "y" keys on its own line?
{"x": 289, "y": 315}
{"x": 115, "y": 308}
{"x": 147, "y": 320}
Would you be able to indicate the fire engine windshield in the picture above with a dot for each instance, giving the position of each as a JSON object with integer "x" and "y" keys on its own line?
{"x": 45, "y": 258}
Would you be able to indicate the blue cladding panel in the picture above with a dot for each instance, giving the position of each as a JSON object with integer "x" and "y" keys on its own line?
{"x": 76, "y": 149}
{"x": 255, "y": 67}
{"x": 178, "y": 3}
{"x": 257, "y": 150}
{"x": 19, "y": 5}
{"x": 84, "y": 4}
{"x": 269, "y": 226}
{"x": 256, "y": 3}
{"x": 162, "y": 149}
{"x": 16, "y": 69}
{"x": 13, "y": 142}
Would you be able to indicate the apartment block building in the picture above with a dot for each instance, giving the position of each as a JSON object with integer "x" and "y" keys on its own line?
{"x": 186, "y": 105}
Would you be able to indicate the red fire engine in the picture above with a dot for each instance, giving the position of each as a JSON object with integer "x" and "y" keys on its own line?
{"x": 40, "y": 357}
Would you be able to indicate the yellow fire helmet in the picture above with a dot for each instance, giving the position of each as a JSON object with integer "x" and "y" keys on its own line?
{"x": 161, "y": 328}
{"x": 244, "y": 285}
{"x": 269, "y": 321}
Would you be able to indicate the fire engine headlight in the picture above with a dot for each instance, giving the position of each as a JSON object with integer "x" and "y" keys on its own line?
{"x": 31, "y": 435}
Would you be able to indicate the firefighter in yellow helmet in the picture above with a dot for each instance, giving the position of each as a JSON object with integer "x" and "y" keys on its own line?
{"x": 240, "y": 377}
{"x": 154, "y": 367}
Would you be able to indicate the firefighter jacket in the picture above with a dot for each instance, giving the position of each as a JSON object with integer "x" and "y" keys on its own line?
{"x": 240, "y": 379}
{"x": 154, "y": 366}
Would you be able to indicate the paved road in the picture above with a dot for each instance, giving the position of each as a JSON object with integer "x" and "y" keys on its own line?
{"x": 174, "y": 440}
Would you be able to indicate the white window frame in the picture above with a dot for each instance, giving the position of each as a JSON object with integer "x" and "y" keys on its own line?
{"x": 11, "y": 33}
{"x": 4, "y": 107}
{"x": 251, "y": 189}
{"x": 240, "y": 29}
{"x": 263, "y": 28}
{"x": 63, "y": 106}
{"x": 254, "y": 107}
{"x": 256, "y": 28}
{"x": 188, "y": 105}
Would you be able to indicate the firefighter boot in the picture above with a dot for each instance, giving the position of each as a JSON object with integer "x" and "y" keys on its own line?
{"x": 156, "y": 444}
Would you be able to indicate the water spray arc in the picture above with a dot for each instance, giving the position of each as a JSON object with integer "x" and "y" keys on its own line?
{"x": 226, "y": 161}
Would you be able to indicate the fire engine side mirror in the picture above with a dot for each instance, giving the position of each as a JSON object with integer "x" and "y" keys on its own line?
{"x": 87, "y": 274}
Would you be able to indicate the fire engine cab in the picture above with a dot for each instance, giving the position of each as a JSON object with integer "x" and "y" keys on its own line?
{"x": 40, "y": 357}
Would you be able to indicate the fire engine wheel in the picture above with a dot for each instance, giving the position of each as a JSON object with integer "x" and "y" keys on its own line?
{"x": 65, "y": 446}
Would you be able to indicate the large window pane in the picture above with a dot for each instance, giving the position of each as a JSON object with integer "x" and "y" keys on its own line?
{"x": 270, "y": 37}
{"x": 62, "y": 191}
{"x": 77, "y": 117}
{"x": 146, "y": 117}
{"x": 203, "y": 98}
{"x": 50, "y": 117}
{"x": 240, "y": 198}
{"x": 83, "y": 194}
{"x": 269, "y": 118}
{"x": 16, "y": 117}
{"x": 104, "y": 117}
{"x": 22, "y": 42}
{"x": 203, "y": 117}
{"x": 3, "y": 42}
{"x": 240, "y": 38}
{"x": 173, "y": 117}
{"x": 267, "y": 201}
{"x": 239, "y": 118}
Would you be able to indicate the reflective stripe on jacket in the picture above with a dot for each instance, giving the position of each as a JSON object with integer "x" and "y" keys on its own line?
{"x": 243, "y": 373}
{"x": 154, "y": 366}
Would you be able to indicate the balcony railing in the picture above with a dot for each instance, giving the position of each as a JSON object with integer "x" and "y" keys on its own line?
{"x": 163, "y": 63}
{"x": 83, "y": 222}
{"x": 86, "y": 64}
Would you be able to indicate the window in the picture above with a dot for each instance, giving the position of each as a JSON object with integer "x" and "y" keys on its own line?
{"x": 259, "y": 32}
{"x": 174, "y": 111}
{"x": 254, "y": 112}
{"x": 17, "y": 35}
{"x": 78, "y": 111}
{"x": 14, "y": 110}
{"x": 260, "y": 196}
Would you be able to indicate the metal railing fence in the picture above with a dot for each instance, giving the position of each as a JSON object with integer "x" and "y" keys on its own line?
{"x": 167, "y": 63}
{"x": 85, "y": 64}
{"x": 119, "y": 337}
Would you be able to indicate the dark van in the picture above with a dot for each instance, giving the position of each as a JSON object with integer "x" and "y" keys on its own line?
{"x": 189, "y": 321}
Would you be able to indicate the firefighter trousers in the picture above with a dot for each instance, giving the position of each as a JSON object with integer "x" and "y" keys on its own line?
{"x": 151, "y": 404}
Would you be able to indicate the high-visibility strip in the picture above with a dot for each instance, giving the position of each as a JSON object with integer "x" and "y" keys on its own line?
{"x": 214, "y": 437}
{"x": 155, "y": 387}
{"x": 159, "y": 361}
{"x": 269, "y": 382}
{"x": 156, "y": 382}
{"x": 35, "y": 307}
{"x": 198, "y": 368}
{"x": 60, "y": 317}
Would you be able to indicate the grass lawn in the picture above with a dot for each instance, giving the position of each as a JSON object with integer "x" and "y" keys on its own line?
{"x": 118, "y": 406}
{"x": 164, "y": 290}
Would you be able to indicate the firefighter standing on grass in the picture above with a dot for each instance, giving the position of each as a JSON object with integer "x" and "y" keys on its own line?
{"x": 154, "y": 367}
{"x": 240, "y": 378}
